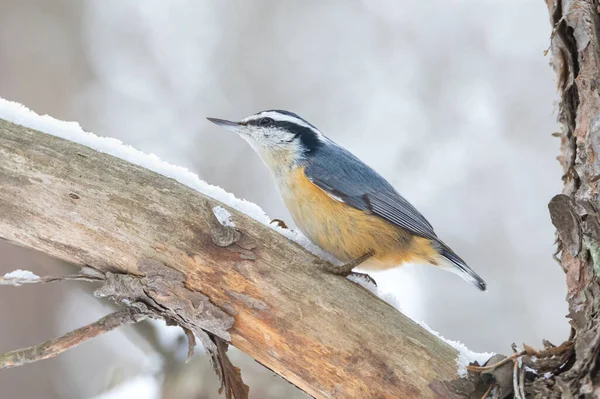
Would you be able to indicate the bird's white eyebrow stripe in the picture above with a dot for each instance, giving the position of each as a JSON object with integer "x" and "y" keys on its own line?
{"x": 276, "y": 116}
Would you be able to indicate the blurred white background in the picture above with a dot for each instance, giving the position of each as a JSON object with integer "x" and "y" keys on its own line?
{"x": 451, "y": 100}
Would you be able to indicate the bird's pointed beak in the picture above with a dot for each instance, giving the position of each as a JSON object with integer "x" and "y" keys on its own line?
{"x": 229, "y": 125}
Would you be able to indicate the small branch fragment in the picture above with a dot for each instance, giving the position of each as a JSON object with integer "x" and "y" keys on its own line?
{"x": 231, "y": 379}
{"x": 481, "y": 369}
{"x": 499, "y": 373}
{"x": 56, "y": 346}
{"x": 487, "y": 393}
{"x": 191, "y": 342}
{"x": 521, "y": 378}
{"x": 517, "y": 384}
{"x": 17, "y": 282}
{"x": 230, "y": 376}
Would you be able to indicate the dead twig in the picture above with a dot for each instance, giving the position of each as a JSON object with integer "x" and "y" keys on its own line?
{"x": 481, "y": 369}
{"x": 521, "y": 377}
{"x": 549, "y": 352}
{"x": 191, "y": 338}
{"x": 517, "y": 383}
{"x": 17, "y": 282}
{"x": 86, "y": 274}
{"x": 56, "y": 346}
{"x": 489, "y": 390}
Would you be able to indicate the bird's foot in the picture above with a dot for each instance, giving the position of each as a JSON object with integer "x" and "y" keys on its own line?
{"x": 280, "y": 223}
{"x": 346, "y": 269}
{"x": 362, "y": 277}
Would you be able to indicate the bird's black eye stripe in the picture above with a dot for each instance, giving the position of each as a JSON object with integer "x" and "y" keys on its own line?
{"x": 265, "y": 121}
{"x": 307, "y": 136}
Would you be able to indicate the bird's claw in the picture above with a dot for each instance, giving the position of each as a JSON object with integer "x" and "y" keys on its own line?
{"x": 280, "y": 223}
{"x": 362, "y": 276}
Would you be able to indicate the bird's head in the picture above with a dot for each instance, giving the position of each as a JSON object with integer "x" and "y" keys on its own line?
{"x": 279, "y": 137}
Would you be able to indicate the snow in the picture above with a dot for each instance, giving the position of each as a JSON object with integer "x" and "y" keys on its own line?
{"x": 223, "y": 216}
{"x": 140, "y": 387}
{"x": 21, "y": 275}
{"x": 378, "y": 291}
{"x": 21, "y": 115}
{"x": 465, "y": 355}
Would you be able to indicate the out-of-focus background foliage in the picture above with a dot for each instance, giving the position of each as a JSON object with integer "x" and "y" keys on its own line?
{"x": 452, "y": 101}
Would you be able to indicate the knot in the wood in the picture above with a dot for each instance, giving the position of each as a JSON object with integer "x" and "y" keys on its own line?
{"x": 222, "y": 236}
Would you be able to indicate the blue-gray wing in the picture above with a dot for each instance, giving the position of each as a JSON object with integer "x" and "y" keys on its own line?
{"x": 346, "y": 178}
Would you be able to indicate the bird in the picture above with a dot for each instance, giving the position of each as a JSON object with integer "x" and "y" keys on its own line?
{"x": 341, "y": 204}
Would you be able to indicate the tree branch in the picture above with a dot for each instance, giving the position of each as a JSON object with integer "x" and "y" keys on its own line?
{"x": 161, "y": 252}
{"x": 70, "y": 340}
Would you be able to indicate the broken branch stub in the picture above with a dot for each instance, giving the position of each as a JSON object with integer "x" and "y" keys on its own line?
{"x": 162, "y": 291}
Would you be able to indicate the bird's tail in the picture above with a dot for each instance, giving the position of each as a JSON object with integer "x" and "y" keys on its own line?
{"x": 458, "y": 266}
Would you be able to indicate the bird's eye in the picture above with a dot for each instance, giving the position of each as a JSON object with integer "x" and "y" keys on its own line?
{"x": 265, "y": 121}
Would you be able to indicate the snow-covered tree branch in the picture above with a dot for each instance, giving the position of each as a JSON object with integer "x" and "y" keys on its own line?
{"x": 199, "y": 258}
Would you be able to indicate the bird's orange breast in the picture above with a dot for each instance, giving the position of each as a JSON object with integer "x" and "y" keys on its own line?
{"x": 347, "y": 232}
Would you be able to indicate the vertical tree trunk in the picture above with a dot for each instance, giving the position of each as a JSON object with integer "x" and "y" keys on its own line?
{"x": 576, "y": 60}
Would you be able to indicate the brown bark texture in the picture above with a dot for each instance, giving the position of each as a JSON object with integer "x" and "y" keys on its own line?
{"x": 575, "y": 57}
{"x": 156, "y": 245}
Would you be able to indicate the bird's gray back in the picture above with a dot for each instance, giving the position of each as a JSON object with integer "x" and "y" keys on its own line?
{"x": 345, "y": 177}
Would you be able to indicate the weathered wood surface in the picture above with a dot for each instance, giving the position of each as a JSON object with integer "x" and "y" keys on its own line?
{"x": 321, "y": 332}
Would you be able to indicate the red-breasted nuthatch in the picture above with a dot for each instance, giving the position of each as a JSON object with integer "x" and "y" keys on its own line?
{"x": 341, "y": 204}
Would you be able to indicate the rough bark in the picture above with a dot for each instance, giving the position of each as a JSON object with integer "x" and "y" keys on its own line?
{"x": 158, "y": 247}
{"x": 575, "y": 47}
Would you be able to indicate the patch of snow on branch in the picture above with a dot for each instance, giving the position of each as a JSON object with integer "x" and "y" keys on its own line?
{"x": 21, "y": 275}
{"x": 223, "y": 216}
{"x": 384, "y": 296}
{"x": 465, "y": 355}
{"x": 21, "y": 115}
